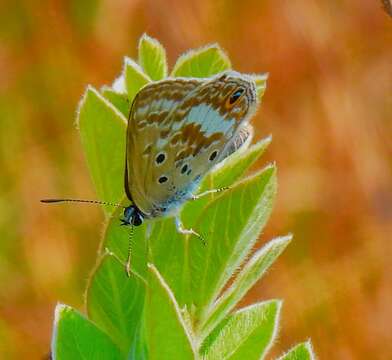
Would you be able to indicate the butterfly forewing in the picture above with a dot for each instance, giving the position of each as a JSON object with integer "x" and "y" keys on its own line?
{"x": 178, "y": 129}
{"x": 145, "y": 132}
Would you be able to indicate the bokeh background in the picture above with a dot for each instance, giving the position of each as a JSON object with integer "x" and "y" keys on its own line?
{"x": 328, "y": 105}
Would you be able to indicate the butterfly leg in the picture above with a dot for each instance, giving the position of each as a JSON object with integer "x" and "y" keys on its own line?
{"x": 182, "y": 230}
{"x": 127, "y": 264}
{"x": 212, "y": 191}
{"x": 111, "y": 253}
{"x": 148, "y": 230}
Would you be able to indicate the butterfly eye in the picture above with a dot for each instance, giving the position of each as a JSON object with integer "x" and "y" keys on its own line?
{"x": 236, "y": 95}
{"x": 184, "y": 169}
{"x": 137, "y": 219}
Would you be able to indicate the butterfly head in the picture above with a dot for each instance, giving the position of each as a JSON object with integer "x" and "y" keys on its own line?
{"x": 132, "y": 216}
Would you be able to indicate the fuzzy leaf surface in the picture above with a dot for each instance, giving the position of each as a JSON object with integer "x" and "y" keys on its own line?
{"x": 253, "y": 270}
{"x": 246, "y": 208}
{"x": 204, "y": 62}
{"x": 119, "y": 100}
{"x": 166, "y": 332}
{"x": 102, "y": 131}
{"x": 301, "y": 351}
{"x": 246, "y": 334}
{"x": 261, "y": 84}
{"x": 152, "y": 58}
{"x": 115, "y": 302}
{"x": 75, "y": 337}
{"x": 135, "y": 78}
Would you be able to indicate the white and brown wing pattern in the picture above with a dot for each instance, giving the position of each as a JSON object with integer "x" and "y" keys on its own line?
{"x": 150, "y": 107}
{"x": 199, "y": 131}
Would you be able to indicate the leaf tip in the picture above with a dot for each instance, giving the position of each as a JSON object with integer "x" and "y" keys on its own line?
{"x": 268, "y": 139}
{"x": 89, "y": 90}
{"x": 152, "y": 57}
{"x": 271, "y": 168}
{"x": 59, "y": 309}
{"x": 147, "y": 38}
{"x": 58, "y": 313}
{"x": 260, "y": 77}
{"x": 302, "y": 350}
{"x": 132, "y": 65}
{"x": 279, "y": 244}
{"x": 216, "y": 47}
{"x": 309, "y": 347}
{"x": 286, "y": 239}
{"x": 261, "y": 145}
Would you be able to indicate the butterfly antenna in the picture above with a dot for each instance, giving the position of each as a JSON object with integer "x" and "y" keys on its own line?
{"x": 128, "y": 263}
{"x": 53, "y": 201}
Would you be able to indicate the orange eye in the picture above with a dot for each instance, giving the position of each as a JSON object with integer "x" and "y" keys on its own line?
{"x": 234, "y": 97}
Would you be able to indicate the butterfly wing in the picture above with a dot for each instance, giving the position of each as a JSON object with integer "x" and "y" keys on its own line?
{"x": 242, "y": 139}
{"x": 180, "y": 147}
{"x": 144, "y": 132}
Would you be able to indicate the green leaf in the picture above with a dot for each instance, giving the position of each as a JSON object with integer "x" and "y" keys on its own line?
{"x": 261, "y": 84}
{"x": 75, "y": 337}
{"x": 102, "y": 131}
{"x": 231, "y": 224}
{"x": 301, "y": 351}
{"x": 135, "y": 78}
{"x": 166, "y": 332}
{"x": 115, "y": 302}
{"x": 253, "y": 270}
{"x": 247, "y": 334}
{"x": 204, "y": 62}
{"x": 169, "y": 252}
{"x": 152, "y": 57}
{"x": 119, "y": 100}
{"x": 139, "y": 349}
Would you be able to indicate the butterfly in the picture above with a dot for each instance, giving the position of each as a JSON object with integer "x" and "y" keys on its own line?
{"x": 178, "y": 130}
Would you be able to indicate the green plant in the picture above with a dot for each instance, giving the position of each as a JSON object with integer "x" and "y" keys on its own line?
{"x": 177, "y": 305}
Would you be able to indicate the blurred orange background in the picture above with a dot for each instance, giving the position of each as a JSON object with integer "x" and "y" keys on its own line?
{"x": 328, "y": 105}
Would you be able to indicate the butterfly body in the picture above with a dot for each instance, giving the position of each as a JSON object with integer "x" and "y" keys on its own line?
{"x": 178, "y": 129}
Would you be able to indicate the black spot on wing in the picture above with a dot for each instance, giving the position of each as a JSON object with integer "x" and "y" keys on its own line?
{"x": 161, "y": 157}
{"x": 162, "y": 179}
